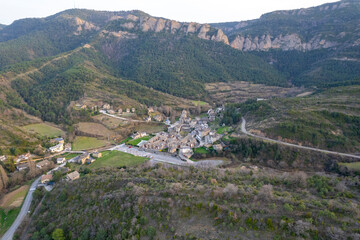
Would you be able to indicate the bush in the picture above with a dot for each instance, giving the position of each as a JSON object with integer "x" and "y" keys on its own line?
{"x": 288, "y": 207}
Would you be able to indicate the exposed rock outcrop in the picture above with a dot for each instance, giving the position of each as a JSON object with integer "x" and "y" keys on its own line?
{"x": 220, "y": 37}
{"x": 285, "y": 42}
{"x": 83, "y": 25}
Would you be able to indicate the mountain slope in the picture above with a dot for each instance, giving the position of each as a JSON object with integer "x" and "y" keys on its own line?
{"x": 129, "y": 51}
{"x": 77, "y": 53}
{"x": 317, "y": 46}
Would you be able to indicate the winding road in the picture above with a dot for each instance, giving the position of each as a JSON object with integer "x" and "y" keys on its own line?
{"x": 24, "y": 210}
{"x": 243, "y": 129}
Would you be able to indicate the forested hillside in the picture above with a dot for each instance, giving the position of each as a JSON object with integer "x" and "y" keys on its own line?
{"x": 188, "y": 203}
{"x": 47, "y": 63}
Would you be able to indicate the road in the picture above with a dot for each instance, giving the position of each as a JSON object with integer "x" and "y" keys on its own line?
{"x": 154, "y": 156}
{"x": 166, "y": 158}
{"x": 243, "y": 129}
{"x": 125, "y": 119}
{"x": 24, "y": 210}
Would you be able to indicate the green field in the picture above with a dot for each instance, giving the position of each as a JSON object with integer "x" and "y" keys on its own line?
{"x": 201, "y": 103}
{"x": 7, "y": 218}
{"x": 201, "y": 150}
{"x": 8, "y": 213}
{"x": 355, "y": 166}
{"x": 135, "y": 142}
{"x": 221, "y": 130}
{"x": 70, "y": 155}
{"x": 85, "y": 143}
{"x": 117, "y": 159}
{"x": 44, "y": 130}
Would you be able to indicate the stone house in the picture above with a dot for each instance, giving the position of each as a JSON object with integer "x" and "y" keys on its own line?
{"x": 106, "y": 106}
{"x": 21, "y": 167}
{"x": 46, "y": 178}
{"x": 72, "y": 176}
{"x": 43, "y": 164}
{"x": 97, "y": 155}
{"x": 60, "y": 160}
{"x": 83, "y": 157}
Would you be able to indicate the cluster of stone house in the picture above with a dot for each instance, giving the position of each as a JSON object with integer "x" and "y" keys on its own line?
{"x": 40, "y": 165}
{"x": 23, "y": 157}
{"x": 184, "y": 135}
{"x": 110, "y": 109}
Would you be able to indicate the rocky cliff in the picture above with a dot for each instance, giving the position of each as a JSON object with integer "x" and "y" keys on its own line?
{"x": 333, "y": 25}
{"x": 284, "y": 42}
{"x": 133, "y": 24}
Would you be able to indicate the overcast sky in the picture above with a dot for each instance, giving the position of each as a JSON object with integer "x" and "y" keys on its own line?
{"x": 202, "y": 11}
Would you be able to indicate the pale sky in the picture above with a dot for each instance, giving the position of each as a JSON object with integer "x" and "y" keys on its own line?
{"x": 202, "y": 11}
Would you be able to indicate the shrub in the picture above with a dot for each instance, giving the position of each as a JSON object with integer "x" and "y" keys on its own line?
{"x": 288, "y": 207}
{"x": 230, "y": 190}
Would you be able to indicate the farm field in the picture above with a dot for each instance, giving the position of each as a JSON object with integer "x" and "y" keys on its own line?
{"x": 201, "y": 150}
{"x": 117, "y": 159}
{"x": 201, "y": 103}
{"x": 355, "y": 166}
{"x": 85, "y": 143}
{"x": 94, "y": 129}
{"x": 149, "y": 127}
{"x": 70, "y": 155}
{"x": 44, "y": 130}
{"x": 10, "y": 207}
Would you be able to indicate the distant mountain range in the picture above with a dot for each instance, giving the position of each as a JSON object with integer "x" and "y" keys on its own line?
{"x": 46, "y": 63}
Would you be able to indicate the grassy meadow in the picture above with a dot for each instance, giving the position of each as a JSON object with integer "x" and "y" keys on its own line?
{"x": 117, "y": 159}
{"x": 44, "y": 130}
{"x": 85, "y": 143}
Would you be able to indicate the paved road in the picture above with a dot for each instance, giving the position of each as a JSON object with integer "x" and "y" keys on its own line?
{"x": 243, "y": 129}
{"x": 24, "y": 210}
{"x": 122, "y": 118}
{"x": 159, "y": 157}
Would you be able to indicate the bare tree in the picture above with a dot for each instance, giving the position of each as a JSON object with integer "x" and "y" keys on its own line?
{"x": 32, "y": 168}
{"x": 230, "y": 190}
{"x": 3, "y": 177}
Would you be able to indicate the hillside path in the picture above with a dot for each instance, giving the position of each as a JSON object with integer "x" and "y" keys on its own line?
{"x": 243, "y": 129}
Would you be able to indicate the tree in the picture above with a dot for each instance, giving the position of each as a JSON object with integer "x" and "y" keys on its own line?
{"x": 4, "y": 180}
{"x": 58, "y": 234}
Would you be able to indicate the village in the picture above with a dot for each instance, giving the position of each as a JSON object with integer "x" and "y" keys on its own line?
{"x": 179, "y": 140}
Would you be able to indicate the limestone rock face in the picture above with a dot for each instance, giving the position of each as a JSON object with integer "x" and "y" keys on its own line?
{"x": 83, "y": 25}
{"x": 148, "y": 23}
{"x": 174, "y": 26}
{"x": 220, "y": 37}
{"x": 160, "y": 25}
{"x": 284, "y": 42}
{"x": 128, "y": 25}
{"x": 132, "y": 17}
{"x": 203, "y": 32}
